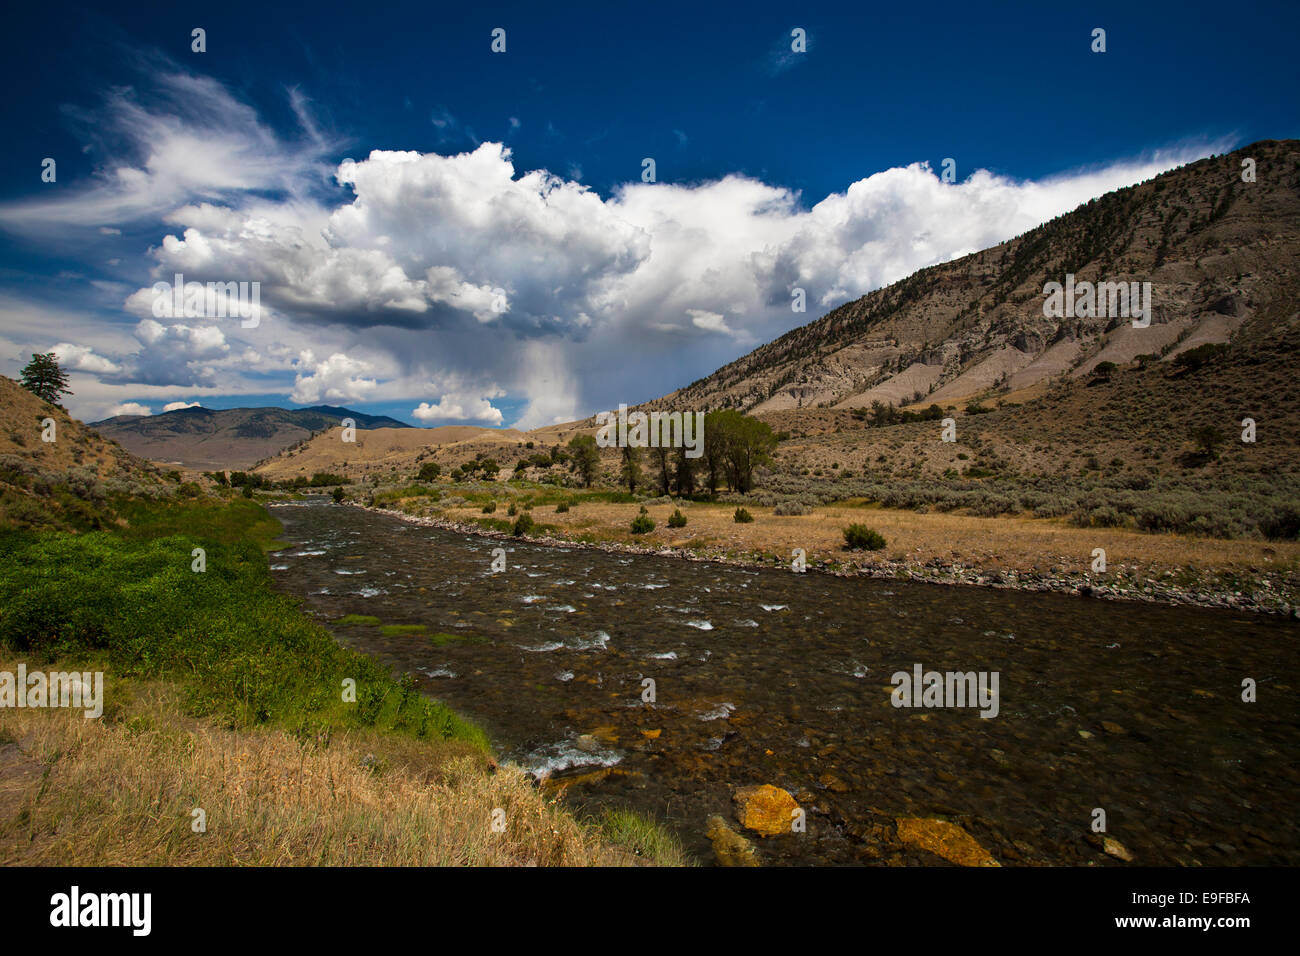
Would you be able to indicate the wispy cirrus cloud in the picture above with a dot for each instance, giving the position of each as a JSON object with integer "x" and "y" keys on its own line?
{"x": 184, "y": 139}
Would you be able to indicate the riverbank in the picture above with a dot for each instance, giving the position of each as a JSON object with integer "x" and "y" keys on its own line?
{"x": 234, "y": 728}
{"x": 1006, "y": 552}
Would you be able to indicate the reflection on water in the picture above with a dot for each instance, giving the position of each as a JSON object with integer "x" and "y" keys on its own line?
{"x": 771, "y": 677}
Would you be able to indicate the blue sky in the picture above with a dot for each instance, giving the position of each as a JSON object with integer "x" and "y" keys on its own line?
{"x": 520, "y": 173}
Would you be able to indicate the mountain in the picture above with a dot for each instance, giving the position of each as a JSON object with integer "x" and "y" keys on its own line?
{"x": 1189, "y": 425}
{"x": 381, "y": 451}
{"x": 1220, "y": 253}
{"x": 231, "y": 438}
{"x": 1089, "y": 419}
{"x": 67, "y": 482}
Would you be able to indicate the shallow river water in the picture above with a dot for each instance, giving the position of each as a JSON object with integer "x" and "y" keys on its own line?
{"x": 771, "y": 677}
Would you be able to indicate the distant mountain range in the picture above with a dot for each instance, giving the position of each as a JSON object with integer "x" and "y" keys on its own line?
{"x": 230, "y": 438}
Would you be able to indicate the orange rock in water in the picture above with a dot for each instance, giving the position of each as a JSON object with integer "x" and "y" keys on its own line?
{"x": 765, "y": 809}
{"x": 651, "y": 734}
{"x": 944, "y": 839}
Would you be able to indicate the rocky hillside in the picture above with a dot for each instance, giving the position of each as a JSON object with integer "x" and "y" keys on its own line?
{"x": 381, "y": 452}
{"x": 1219, "y": 253}
{"x": 68, "y": 482}
{"x": 233, "y": 438}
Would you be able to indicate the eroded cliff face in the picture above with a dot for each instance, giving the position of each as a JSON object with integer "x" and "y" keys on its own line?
{"x": 1216, "y": 250}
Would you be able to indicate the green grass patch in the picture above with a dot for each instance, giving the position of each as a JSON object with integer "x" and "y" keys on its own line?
{"x": 393, "y": 495}
{"x": 244, "y": 653}
{"x": 397, "y": 630}
{"x": 358, "y": 620}
{"x": 443, "y": 638}
{"x": 643, "y": 836}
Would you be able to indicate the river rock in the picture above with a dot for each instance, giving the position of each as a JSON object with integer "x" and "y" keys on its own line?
{"x": 833, "y": 783}
{"x": 765, "y": 809}
{"x": 944, "y": 839}
{"x": 729, "y": 847}
{"x": 1116, "y": 849}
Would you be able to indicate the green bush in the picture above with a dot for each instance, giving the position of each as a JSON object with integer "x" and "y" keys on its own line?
{"x": 1283, "y": 524}
{"x": 490, "y": 507}
{"x": 677, "y": 519}
{"x": 562, "y": 508}
{"x": 742, "y": 516}
{"x": 643, "y": 523}
{"x": 858, "y": 537}
{"x": 523, "y": 525}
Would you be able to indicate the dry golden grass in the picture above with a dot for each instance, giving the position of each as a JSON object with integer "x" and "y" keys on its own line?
{"x": 1003, "y": 543}
{"x": 121, "y": 791}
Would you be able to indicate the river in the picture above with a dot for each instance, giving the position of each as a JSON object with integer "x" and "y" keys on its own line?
{"x": 771, "y": 677}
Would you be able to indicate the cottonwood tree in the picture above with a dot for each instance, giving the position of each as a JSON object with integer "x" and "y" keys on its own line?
{"x": 683, "y": 473}
{"x": 744, "y": 444}
{"x": 629, "y": 471}
{"x": 584, "y": 458}
{"x": 662, "y": 457}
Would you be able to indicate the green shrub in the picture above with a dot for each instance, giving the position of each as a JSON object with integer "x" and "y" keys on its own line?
{"x": 677, "y": 519}
{"x": 858, "y": 537}
{"x": 1283, "y": 524}
{"x": 523, "y": 525}
{"x": 491, "y": 507}
{"x": 643, "y": 523}
{"x": 742, "y": 516}
{"x": 562, "y": 508}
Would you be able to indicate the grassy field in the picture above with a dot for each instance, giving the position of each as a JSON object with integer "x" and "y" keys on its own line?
{"x": 1020, "y": 543}
{"x": 221, "y": 696}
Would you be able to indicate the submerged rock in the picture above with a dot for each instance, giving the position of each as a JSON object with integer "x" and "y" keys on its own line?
{"x": 1116, "y": 849}
{"x": 729, "y": 847}
{"x": 944, "y": 839}
{"x": 765, "y": 809}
